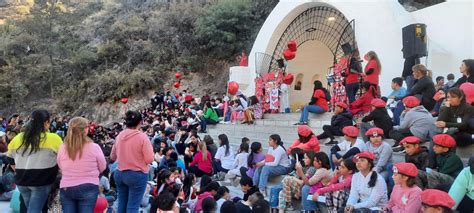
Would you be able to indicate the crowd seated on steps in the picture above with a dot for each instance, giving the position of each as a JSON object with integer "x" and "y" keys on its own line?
{"x": 155, "y": 160}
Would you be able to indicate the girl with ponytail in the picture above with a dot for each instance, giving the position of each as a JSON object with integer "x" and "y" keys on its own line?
{"x": 368, "y": 189}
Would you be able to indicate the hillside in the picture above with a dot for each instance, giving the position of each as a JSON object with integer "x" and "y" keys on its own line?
{"x": 76, "y": 56}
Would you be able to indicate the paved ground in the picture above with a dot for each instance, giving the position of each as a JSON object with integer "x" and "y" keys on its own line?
{"x": 5, "y": 207}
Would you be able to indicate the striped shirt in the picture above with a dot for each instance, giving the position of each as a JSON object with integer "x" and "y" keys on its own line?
{"x": 38, "y": 168}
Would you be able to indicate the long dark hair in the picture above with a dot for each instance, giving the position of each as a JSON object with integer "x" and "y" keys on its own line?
{"x": 132, "y": 119}
{"x": 350, "y": 165}
{"x": 277, "y": 138}
{"x": 305, "y": 139}
{"x": 224, "y": 142}
{"x": 254, "y": 149}
{"x": 368, "y": 88}
{"x": 469, "y": 64}
{"x": 323, "y": 158}
{"x": 187, "y": 184}
{"x": 373, "y": 177}
{"x": 221, "y": 192}
{"x": 32, "y": 136}
{"x": 458, "y": 93}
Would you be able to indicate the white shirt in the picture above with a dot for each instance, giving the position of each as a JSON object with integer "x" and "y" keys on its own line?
{"x": 241, "y": 160}
{"x": 227, "y": 162}
{"x": 361, "y": 196}
{"x": 346, "y": 145}
{"x": 281, "y": 158}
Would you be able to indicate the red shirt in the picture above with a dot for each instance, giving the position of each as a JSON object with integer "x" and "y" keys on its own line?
{"x": 373, "y": 78}
{"x": 321, "y": 99}
{"x": 352, "y": 78}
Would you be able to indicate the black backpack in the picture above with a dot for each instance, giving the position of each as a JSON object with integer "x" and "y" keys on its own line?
{"x": 327, "y": 94}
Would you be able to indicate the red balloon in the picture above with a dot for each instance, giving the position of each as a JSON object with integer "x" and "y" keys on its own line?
{"x": 178, "y": 75}
{"x": 289, "y": 55}
{"x": 176, "y": 85}
{"x": 124, "y": 100}
{"x": 233, "y": 87}
{"x": 292, "y": 45}
{"x": 288, "y": 79}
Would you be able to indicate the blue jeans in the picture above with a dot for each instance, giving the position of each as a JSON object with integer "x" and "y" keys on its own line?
{"x": 351, "y": 90}
{"x": 206, "y": 121}
{"x": 310, "y": 108}
{"x": 331, "y": 162}
{"x": 409, "y": 80}
{"x": 261, "y": 175}
{"x": 308, "y": 205}
{"x": 35, "y": 197}
{"x": 80, "y": 198}
{"x": 397, "y": 112}
{"x": 131, "y": 187}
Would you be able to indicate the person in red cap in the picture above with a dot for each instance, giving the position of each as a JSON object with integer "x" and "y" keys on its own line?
{"x": 368, "y": 188}
{"x": 383, "y": 153}
{"x": 436, "y": 201}
{"x": 455, "y": 116}
{"x": 415, "y": 153}
{"x": 379, "y": 116}
{"x": 415, "y": 120}
{"x": 339, "y": 120}
{"x": 347, "y": 148}
{"x": 306, "y": 141}
{"x": 406, "y": 194}
{"x": 448, "y": 164}
{"x": 362, "y": 104}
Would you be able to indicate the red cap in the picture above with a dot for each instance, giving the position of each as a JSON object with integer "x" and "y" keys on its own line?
{"x": 411, "y": 101}
{"x": 444, "y": 140}
{"x": 351, "y": 131}
{"x": 368, "y": 155}
{"x": 434, "y": 197}
{"x": 374, "y": 132}
{"x": 342, "y": 105}
{"x": 304, "y": 130}
{"x": 410, "y": 140}
{"x": 377, "y": 102}
{"x": 101, "y": 205}
{"x": 408, "y": 169}
{"x": 468, "y": 89}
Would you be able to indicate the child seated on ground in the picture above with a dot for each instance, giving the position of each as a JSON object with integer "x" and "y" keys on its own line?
{"x": 398, "y": 92}
{"x": 448, "y": 164}
{"x": 434, "y": 200}
{"x": 210, "y": 192}
{"x": 337, "y": 191}
{"x": 379, "y": 117}
{"x": 382, "y": 151}
{"x": 339, "y": 120}
{"x": 239, "y": 162}
{"x": 406, "y": 195}
{"x": 209, "y": 205}
{"x": 254, "y": 157}
{"x": 320, "y": 179}
{"x": 223, "y": 195}
{"x": 348, "y": 148}
{"x": 246, "y": 184}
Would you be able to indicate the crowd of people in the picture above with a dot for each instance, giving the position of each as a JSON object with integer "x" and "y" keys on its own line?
{"x": 155, "y": 160}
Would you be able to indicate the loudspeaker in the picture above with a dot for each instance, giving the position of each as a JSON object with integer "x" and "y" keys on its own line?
{"x": 281, "y": 63}
{"x": 346, "y": 48}
{"x": 414, "y": 41}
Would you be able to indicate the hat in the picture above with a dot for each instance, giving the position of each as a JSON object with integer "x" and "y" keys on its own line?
{"x": 444, "y": 140}
{"x": 468, "y": 89}
{"x": 342, "y": 105}
{"x": 304, "y": 130}
{"x": 374, "y": 132}
{"x": 101, "y": 205}
{"x": 351, "y": 131}
{"x": 368, "y": 155}
{"x": 434, "y": 197}
{"x": 411, "y": 101}
{"x": 408, "y": 169}
{"x": 377, "y": 102}
{"x": 410, "y": 140}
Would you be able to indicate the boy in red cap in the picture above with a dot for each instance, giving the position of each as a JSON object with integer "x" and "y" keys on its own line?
{"x": 415, "y": 120}
{"x": 436, "y": 201}
{"x": 406, "y": 194}
{"x": 347, "y": 148}
{"x": 415, "y": 153}
{"x": 448, "y": 164}
{"x": 379, "y": 116}
{"x": 339, "y": 120}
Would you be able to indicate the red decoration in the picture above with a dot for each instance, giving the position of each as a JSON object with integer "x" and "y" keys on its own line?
{"x": 288, "y": 79}
{"x": 124, "y": 100}
{"x": 177, "y": 85}
{"x": 233, "y": 87}
{"x": 292, "y": 45}
{"x": 178, "y": 75}
{"x": 243, "y": 60}
{"x": 289, "y": 55}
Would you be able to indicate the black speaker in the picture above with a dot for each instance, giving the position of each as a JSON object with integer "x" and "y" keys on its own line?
{"x": 281, "y": 63}
{"x": 346, "y": 48}
{"x": 414, "y": 41}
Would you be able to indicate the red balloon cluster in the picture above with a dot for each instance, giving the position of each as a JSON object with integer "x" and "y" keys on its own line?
{"x": 233, "y": 87}
{"x": 290, "y": 52}
{"x": 178, "y": 75}
{"x": 124, "y": 100}
{"x": 177, "y": 84}
{"x": 288, "y": 79}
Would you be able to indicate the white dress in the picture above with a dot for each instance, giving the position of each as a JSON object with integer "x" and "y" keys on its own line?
{"x": 285, "y": 101}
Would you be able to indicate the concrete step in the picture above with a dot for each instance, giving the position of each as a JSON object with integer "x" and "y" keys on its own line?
{"x": 296, "y": 116}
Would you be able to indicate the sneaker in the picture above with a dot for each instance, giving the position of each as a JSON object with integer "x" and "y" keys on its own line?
{"x": 398, "y": 149}
{"x": 289, "y": 207}
{"x": 332, "y": 142}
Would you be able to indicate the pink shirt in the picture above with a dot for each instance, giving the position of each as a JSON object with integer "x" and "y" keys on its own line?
{"x": 82, "y": 170}
{"x": 405, "y": 199}
{"x": 203, "y": 165}
{"x": 132, "y": 151}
